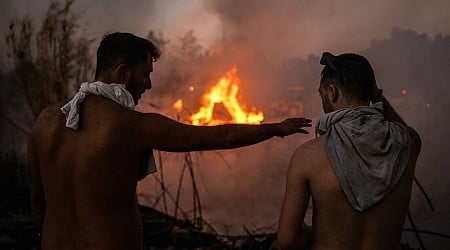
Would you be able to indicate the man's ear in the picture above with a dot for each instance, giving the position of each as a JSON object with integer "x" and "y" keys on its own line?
{"x": 121, "y": 74}
{"x": 333, "y": 93}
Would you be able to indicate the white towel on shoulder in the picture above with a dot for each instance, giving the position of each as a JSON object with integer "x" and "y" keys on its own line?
{"x": 115, "y": 92}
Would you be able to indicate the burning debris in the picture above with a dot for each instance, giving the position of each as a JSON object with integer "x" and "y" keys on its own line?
{"x": 222, "y": 95}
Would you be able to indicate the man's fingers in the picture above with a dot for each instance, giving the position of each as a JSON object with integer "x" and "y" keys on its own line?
{"x": 302, "y": 123}
{"x": 304, "y": 120}
{"x": 295, "y": 125}
{"x": 302, "y": 131}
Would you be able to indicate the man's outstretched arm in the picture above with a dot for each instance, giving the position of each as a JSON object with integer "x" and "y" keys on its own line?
{"x": 291, "y": 232}
{"x": 162, "y": 133}
{"x": 37, "y": 193}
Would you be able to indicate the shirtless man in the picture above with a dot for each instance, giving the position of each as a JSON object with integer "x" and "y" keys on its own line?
{"x": 86, "y": 157}
{"x": 358, "y": 173}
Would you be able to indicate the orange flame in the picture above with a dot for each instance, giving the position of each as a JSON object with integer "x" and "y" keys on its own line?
{"x": 224, "y": 92}
{"x": 178, "y": 105}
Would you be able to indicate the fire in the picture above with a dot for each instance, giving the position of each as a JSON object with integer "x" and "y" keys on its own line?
{"x": 178, "y": 105}
{"x": 224, "y": 92}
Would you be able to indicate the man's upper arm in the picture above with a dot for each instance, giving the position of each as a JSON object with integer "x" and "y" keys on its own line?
{"x": 295, "y": 202}
{"x": 159, "y": 132}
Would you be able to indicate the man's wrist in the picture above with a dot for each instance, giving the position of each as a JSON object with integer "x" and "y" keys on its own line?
{"x": 377, "y": 96}
{"x": 278, "y": 129}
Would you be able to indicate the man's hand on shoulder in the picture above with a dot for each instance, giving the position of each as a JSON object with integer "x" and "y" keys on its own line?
{"x": 293, "y": 125}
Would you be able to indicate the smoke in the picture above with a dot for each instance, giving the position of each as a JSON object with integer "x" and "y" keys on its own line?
{"x": 305, "y": 27}
{"x": 261, "y": 35}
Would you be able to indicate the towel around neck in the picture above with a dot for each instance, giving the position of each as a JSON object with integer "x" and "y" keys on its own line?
{"x": 113, "y": 91}
{"x": 367, "y": 153}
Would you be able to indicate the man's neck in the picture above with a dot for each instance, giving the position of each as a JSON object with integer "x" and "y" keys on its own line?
{"x": 104, "y": 79}
{"x": 351, "y": 104}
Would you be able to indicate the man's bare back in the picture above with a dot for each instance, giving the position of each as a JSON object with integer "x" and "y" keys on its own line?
{"x": 89, "y": 178}
{"x": 336, "y": 224}
{"x": 359, "y": 172}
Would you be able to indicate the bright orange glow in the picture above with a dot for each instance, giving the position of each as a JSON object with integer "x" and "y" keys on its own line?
{"x": 224, "y": 92}
{"x": 178, "y": 105}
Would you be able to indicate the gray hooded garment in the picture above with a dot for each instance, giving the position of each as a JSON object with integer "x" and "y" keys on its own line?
{"x": 367, "y": 153}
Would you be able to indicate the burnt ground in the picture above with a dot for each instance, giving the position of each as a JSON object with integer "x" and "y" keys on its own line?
{"x": 161, "y": 231}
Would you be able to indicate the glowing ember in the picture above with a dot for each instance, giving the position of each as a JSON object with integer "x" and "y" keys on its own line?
{"x": 224, "y": 93}
{"x": 178, "y": 105}
{"x": 404, "y": 92}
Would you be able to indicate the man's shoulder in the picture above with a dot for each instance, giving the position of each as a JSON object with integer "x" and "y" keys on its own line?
{"x": 46, "y": 122}
{"x": 305, "y": 157}
{"x": 314, "y": 145}
{"x": 310, "y": 152}
{"x": 50, "y": 112}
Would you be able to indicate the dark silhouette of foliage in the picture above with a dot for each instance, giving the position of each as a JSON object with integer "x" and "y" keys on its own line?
{"x": 45, "y": 67}
{"x": 58, "y": 62}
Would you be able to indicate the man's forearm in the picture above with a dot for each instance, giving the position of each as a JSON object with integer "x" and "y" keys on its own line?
{"x": 306, "y": 236}
{"x": 239, "y": 135}
{"x": 244, "y": 135}
{"x": 302, "y": 241}
{"x": 200, "y": 138}
{"x": 236, "y": 135}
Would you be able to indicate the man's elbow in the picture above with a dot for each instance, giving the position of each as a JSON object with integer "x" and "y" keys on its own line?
{"x": 286, "y": 243}
{"x": 298, "y": 241}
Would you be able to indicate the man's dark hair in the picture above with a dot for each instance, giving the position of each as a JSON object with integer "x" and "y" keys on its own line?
{"x": 117, "y": 48}
{"x": 352, "y": 73}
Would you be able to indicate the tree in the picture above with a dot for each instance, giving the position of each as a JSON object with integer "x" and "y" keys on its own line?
{"x": 59, "y": 61}
{"x": 180, "y": 63}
